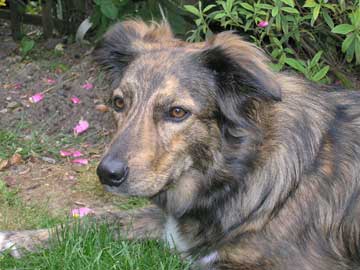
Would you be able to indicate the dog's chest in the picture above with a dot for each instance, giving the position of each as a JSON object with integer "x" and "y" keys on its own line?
{"x": 173, "y": 236}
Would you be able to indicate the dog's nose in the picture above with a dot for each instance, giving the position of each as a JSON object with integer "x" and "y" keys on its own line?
{"x": 112, "y": 172}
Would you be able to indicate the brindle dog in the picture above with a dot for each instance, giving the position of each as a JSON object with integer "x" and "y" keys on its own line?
{"x": 248, "y": 169}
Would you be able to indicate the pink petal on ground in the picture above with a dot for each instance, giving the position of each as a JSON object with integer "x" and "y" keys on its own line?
{"x": 80, "y": 212}
{"x": 50, "y": 81}
{"x": 263, "y": 24}
{"x": 65, "y": 153}
{"x": 36, "y": 98}
{"x": 75, "y": 100}
{"x": 82, "y": 161}
{"x": 17, "y": 86}
{"x": 87, "y": 86}
{"x": 81, "y": 127}
{"x": 77, "y": 154}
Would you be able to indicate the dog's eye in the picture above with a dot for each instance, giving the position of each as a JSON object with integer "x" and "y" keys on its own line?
{"x": 178, "y": 114}
{"x": 119, "y": 104}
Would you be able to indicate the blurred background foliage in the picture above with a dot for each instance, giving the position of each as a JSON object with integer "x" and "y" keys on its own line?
{"x": 317, "y": 38}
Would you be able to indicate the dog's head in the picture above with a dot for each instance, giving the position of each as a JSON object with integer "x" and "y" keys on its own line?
{"x": 176, "y": 104}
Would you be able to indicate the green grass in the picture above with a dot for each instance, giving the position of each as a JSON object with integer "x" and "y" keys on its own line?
{"x": 15, "y": 214}
{"x": 93, "y": 247}
{"x": 36, "y": 143}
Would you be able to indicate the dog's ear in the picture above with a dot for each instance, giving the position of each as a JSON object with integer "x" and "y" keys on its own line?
{"x": 126, "y": 40}
{"x": 240, "y": 69}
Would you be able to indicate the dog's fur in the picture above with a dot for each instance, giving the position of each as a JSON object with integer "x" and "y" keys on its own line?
{"x": 262, "y": 173}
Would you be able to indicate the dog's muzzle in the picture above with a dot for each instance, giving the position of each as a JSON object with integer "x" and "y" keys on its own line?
{"x": 112, "y": 172}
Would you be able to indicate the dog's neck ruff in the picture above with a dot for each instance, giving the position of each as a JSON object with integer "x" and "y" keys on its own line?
{"x": 173, "y": 237}
{"x": 175, "y": 240}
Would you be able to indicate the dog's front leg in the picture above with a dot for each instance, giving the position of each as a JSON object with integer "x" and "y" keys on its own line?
{"x": 144, "y": 223}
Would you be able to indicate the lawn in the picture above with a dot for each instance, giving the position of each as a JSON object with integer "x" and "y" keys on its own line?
{"x": 92, "y": 246}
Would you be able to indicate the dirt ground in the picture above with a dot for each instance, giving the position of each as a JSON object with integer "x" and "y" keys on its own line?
{"x": 59, "y": 75}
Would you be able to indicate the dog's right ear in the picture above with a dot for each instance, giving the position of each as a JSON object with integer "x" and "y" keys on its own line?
{"x": 125, "y": 41}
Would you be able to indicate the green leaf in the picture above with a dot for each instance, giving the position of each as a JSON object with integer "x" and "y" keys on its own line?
{"x": 219, "y": 16}
{"x": 343, "y": 29}
{"x": 320, "y": 74}
{"x": 247, "y": 6}
{"x": 289, "y": 2}
{"x": 328, "y": 19}
{"x": 192, "y": 10}
{"x": 316, "y": 59}
{"x": 329, "y": 6}
{"x": 357, "y": 50}
{"x": 347, "y": 42}
{"x": 275, "y": 11}
{"x": 277, "y": 42}
{"x": 295, "y": 64}
{"x": 315, "y": 14}
{"x": 26, "y": 45}
{"x": 310, "y": 3}
{"x": 247, "y": 25}
{"x": 229, "y": 4}
{"x": 350, "y": 52}
{"x": 290, "y": 51}
{"x": 207, "y": 8}
{"x": 290, "y": 10}
{"x": 108, "y": 9}
{"x": 275, "y": 53}
{"x": 282, "y": 59}
{"x": 264, "y": 6}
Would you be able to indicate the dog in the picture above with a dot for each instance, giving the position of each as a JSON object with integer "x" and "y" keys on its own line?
{"x": 246, "y": 168}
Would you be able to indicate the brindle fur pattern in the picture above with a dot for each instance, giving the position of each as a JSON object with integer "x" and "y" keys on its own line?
{"x": 264, "y": 173}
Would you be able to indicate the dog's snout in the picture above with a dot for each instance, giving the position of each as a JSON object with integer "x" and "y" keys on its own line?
{"x": 112, "y": 172}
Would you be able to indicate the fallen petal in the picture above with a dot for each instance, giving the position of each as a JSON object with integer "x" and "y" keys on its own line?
{"x": 80, "y": 212}
{"x": 75, "y": 100}
{"x": 36, "y": 98}
{"x": 17, "y": 86}
{"x": 65, "y": 153}
{"x": 16, "y": 159}
{"x": 50, "y": 81}
{"x": 77, "y": 154}
{"x": 87, "y": 86}
{"x": 82, "y": 161}
{"x": 81, "y": 127}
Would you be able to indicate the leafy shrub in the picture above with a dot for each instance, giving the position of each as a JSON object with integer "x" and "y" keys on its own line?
{"x": 308, "y": 36}
{"x": 107, "y": 12}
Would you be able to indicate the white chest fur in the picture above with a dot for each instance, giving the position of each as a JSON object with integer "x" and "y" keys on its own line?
{"x": 173, "y": 237}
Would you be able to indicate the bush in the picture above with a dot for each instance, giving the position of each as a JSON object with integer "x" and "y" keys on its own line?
{"x": 312, "y": 36}
{"x": 107, "y": 12}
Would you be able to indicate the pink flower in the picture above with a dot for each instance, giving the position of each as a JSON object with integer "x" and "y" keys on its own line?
{"x": 75, "y": 100}
{"x": 50, "y": 81}
{"x": 36, "y": 98}
{"x": 81, "y": 127}
{"x": 81, "y": 161}
{"x": 87, "y": 86}
{"x": 263, "y": 24}
{"x": 81, "y": 212}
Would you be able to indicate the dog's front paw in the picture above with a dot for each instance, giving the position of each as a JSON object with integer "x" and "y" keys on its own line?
{"x": 14, "y": 243}
{"x": 7, "y": 245}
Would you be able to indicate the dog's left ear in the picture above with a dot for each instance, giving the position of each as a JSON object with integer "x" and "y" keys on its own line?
{"x": 240, "y": 68}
